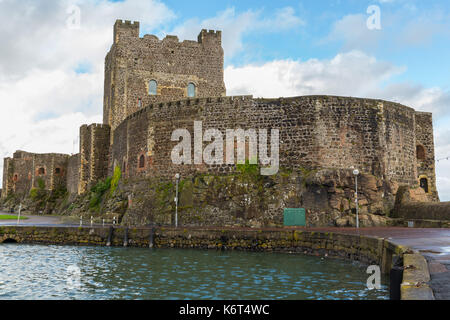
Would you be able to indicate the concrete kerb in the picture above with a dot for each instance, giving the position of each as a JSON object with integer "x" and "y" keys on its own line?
{"x": 416, "y": 277}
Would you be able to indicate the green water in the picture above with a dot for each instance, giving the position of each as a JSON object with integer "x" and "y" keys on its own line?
{"x": 47, "y": 272}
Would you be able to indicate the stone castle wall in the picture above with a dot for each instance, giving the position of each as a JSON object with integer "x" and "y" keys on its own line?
{"x": 26, "y": 171}
{"x": 374, "y": 136}
{"x": 425, "y": 140}
{"x": 94, "y": 151}
{"x": 132, "y": 62}
{"x": 73, "y": 173}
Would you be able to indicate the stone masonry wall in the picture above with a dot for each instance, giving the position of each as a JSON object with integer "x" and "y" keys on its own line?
{"x": 397, "y": 151}
{"x": 94, "y": 155}
{"x": 132, "y": 62}
{"x": 73, "y": 173}
{"x": 316, "y": 132}
{"x": 25, "y": 171}
{"x": 7, "y": 185}
{"x": 425, "y": 139}
{"x": 321, "y": 137}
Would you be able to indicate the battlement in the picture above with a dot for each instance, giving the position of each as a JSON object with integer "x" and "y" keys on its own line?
{"x": 206, "y": 36}
{"x": 123, "y": 29}
{"x": 20, "y": 154}
{"x": 126, "y": 24}
{"x": 189, "y": 102}
{"x": 95, "y": 126}
{"x": 170, "y": 38}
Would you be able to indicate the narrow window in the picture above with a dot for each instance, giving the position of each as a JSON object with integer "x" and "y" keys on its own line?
{"x": 41, "y": 171}
{"x": 424, "y": 184}
{"x": 152, "y": 88}
{"x": 141, "y": 162}
{"x": 191, "y": 90}
{"x": 57, "y": 170}
{"x": 420, "y": 152}
{"x": 15, "y": 178}
{"x": 139, "y": 103}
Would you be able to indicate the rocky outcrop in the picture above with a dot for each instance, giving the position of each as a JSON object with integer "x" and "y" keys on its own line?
{"x": 246, "y": 198}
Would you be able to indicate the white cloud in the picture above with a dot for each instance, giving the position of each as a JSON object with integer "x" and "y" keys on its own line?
{"x": 235, "y": 26}
{"x": 348, "y": 74}
{"x": 353, "y": 73}
{"x": 34, "y": 34}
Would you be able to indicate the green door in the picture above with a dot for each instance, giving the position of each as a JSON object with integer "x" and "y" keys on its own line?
{"x": 294, "y": 217}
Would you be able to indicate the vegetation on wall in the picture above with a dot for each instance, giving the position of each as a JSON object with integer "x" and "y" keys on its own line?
{"x": 115, "y": 179}
{"x": 103, "y": 188}
{"x": 97, "y": 192}
{"x": 42, "y": 199}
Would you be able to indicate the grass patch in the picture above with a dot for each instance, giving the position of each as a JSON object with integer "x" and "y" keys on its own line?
{"x": 8, "y": 217}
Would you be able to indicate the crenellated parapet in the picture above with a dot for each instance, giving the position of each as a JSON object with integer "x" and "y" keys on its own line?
{"x": 125, "y": 29}
{"x": 210, "y": 36}
{"x": 189, "y": 103}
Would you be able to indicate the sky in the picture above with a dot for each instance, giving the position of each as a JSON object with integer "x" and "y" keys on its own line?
{"x": 52, "y": 58}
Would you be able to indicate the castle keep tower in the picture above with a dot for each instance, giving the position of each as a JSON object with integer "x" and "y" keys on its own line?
{"x": 140, "y": 71}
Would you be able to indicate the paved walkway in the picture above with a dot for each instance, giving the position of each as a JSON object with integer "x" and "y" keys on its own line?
{"x": 433, "y": 243}
{"x": 32, "y": 220}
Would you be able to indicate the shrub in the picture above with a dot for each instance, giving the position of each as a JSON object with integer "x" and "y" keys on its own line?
{"x": 98, "y": 191}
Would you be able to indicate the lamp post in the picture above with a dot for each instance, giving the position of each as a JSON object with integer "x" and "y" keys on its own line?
{"x": 18, "y": 217}
{"x": 356, "y": 173}
{"x": 177, "y": 178}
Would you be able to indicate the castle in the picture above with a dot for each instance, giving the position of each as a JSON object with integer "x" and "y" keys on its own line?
{"x": 153, "y": 87}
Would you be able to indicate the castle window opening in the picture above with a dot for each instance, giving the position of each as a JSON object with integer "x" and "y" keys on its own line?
{"x": 424, "y": 184}
{"x": 41, "y": 171}
{"x": 139, "y": 103}
{"x": 141, "y": 161}
{"x": 57, "y": 170}
{"x": 191, "y": 90}
{"x": 152, "y": 87}
{"x": 420, "y": 152}
{"x": 15, "y": 178}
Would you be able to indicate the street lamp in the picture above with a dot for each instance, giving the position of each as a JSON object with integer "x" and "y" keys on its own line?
{"x": 18, "y": 217}
{"x": 356, "y": 173}
{"x": 177, "y": 178}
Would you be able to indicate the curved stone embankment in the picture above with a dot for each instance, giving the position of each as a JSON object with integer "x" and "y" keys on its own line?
{"x": 368, "y": 250}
